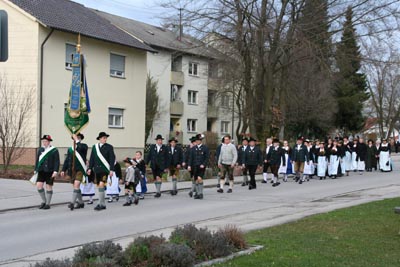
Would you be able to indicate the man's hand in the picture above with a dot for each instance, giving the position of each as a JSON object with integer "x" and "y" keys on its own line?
{"x": 220, "y": 166}
{"x": 54, "y": 174}
{"x": 178, "y": 166}
{"x": 189, "y": 168}
{"x": 89, "y": 171}
{"x": 62, "y": 174}
{"x": 233, "y": 165}
{"x": 111, "y": 173}
{"x": 202, "y": 166}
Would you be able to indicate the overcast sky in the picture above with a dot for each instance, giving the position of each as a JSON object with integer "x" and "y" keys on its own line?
{"x": 142, "y": 10}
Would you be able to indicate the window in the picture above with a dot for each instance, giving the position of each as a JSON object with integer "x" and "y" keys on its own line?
{"x": 115, "y": 117}
{"x": 192, "y": 97}
{"x": 175, "y": 92}
{"x": 117, "y": 66}
{"x": 224, "y": 127}
{"x": 193, "y": 69}
{"x": 225, "y": 101}
{"x": 69, "y": 53}
{"x": 191, "y": 125}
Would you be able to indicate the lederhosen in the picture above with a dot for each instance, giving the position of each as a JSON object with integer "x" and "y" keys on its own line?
{"x": 47, "y": 165}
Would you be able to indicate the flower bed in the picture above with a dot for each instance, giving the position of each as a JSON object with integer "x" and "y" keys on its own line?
{"x": 187, "y": 246}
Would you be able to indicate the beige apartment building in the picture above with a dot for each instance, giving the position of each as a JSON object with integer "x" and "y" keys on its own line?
{"x": 42, "y": 36}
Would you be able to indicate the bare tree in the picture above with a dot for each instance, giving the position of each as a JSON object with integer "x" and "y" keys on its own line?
{"x": 384, "y": 85}
{"x": 16, "y": 104}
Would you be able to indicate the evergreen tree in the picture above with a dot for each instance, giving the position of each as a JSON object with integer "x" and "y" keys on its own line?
{"x": 351, "y": 86}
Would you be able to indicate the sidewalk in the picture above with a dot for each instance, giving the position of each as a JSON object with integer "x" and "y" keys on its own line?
{"x": 21, "y": 194}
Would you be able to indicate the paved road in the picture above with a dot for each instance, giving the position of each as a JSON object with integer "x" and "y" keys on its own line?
{"x": 31, "y": 234}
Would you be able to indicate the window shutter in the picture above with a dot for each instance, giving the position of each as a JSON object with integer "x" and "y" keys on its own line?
{"x": 117, "y": 62}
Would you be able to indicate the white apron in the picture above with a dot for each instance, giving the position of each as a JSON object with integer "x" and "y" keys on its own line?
{"x": 322, "y": 165}
{"x": 112, "y": 185}
{"x": 87, "y": 189}
{"x": 361, "y": 165}
{"x": 308, "y": 168}
{"x": 354, "y": 163}
{"x": 283, "y": 169}
{"x": 347, "y": 162}
{"x": 333, "y": 165}
{"x": 384, "y": 161}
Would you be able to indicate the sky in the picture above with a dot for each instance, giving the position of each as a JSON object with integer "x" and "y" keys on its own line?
{"x": 147, "y": 11}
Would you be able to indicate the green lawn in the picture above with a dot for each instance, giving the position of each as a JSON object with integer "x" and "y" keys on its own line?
{"x": 365, "y": 235}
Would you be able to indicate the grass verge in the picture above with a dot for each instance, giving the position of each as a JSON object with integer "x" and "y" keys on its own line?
{"x": 365, "y": 235}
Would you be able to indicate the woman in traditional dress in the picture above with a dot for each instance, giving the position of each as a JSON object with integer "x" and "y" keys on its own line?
{"x": 384, "y": 156}
{"x": 370, "y": 160}
{"x": 333, "y": 160}
{"x": 309, "y": 168}
{"x": 288, "y": 168}
{"x": 354, "y": 146}
{"x": 321, "y": 161}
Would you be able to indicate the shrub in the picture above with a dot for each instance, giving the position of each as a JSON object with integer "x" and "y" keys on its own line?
{"x": 53, "y": 263}
{"x": 172, "y": 255}
{"x": 234, "y": 236}
{"x": 139, "y": 251}
{"x": 105, "y": 253}
{"x": 205, "y": 244}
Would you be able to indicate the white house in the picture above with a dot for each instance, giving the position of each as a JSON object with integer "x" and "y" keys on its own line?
{"x": 42, "y": 36}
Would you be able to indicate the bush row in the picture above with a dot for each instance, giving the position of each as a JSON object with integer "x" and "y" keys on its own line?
{"x": 186, "y": 246}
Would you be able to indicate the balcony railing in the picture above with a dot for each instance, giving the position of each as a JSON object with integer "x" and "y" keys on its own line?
{"x": 176, "y": 108}
{"x": 177, "y": 78}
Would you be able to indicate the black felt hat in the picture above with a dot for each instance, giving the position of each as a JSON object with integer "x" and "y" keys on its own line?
{"x": 159, "y": 136}
{"x": 46, "y": 137}
{"x": 102, "y": 134}
{"x": 173, "y": 139}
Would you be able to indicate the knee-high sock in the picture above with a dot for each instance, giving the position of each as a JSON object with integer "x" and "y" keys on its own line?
{"x": 128, "y": 198}
{"x": 174, "y": 184}
{"x": 42, "y": 195}
{"x": 200, "y": 188}
{"x": 158, "y": 187}
{"x": 74, "y": 196}
{"x": 102, "y": 196}
{"x": 80, "y": 200}
{"x": 275, "y": 179}
{"x": 194, "y": 187}
{"x": 245, "y": 178}
{"x": 265, "y": 176}
{"x": 285, "y": 177}
{"x": 231, "y": 184}
{"x": 222, "y": 183}
{"x": 49, "y": 195}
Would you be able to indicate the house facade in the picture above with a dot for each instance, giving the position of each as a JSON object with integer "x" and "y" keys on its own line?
{"x": 42, "y": 36}
{"x": 190, "y": 100}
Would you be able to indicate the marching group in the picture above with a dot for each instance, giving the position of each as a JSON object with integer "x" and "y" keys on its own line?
{"x": 306, "y": 159}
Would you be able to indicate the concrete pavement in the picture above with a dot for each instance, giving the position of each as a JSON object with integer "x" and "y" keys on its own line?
{"x": 30, "y": 235}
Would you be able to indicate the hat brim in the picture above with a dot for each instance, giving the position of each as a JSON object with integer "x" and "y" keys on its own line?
{"x": 48, "y": 139}
{"x": 98, "y": 137}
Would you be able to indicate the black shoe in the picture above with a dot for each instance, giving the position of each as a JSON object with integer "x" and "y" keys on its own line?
{"x": 263, "y": 182}
{"x": 272, "y": 182}
{"x": 172, "y": 192}
{"x": 218, "y": 186}
{"x": 243, "y": 184}
{"x": 226, "y": 183}
{"x": 136, "y": 201}
{"x": 117, "y": 198}
{"x": 46, "y": 207}
{"x": 229, "y": 190}
{"x": 99, "y": 207}
{"x": 220, "y": 190}
{"x": 127, "y": 204}
{"x": 276, "y": 184}
{"x": 190, "y": 194}
{"x": 200, "y": 196}
{"x": 71, "y": 206}
{"x": 320, "y": 178}
{"x": 42, "y": 206}
{"x": 301, "y": 181}
{"x": 157, "y": 195}
{"x": 297, "y": 179}
{"x": 79, "y": 205}
{"x": 90, "y": 202}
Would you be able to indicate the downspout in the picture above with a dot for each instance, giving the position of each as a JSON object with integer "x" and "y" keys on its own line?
{"x": 41, "y": 85}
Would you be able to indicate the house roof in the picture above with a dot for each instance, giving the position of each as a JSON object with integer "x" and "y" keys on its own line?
{"x": 68, "y": 16}
{"x": 159, "y": 37}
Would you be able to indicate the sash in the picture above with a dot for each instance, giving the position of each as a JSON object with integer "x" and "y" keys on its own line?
{"x": 101, "y": 158}
{"x": 44, "y": 156}
{"x": 82, "y": 165}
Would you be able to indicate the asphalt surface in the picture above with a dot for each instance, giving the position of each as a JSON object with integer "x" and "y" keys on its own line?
{"x": 29, "y": 234}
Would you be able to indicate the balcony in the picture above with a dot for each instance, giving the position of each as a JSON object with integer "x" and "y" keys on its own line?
{"x": 177, "y": 78}
{"x": 176, "y": 108}
{"x": 214, "y": 84}
{"x": 212, "y": 111}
